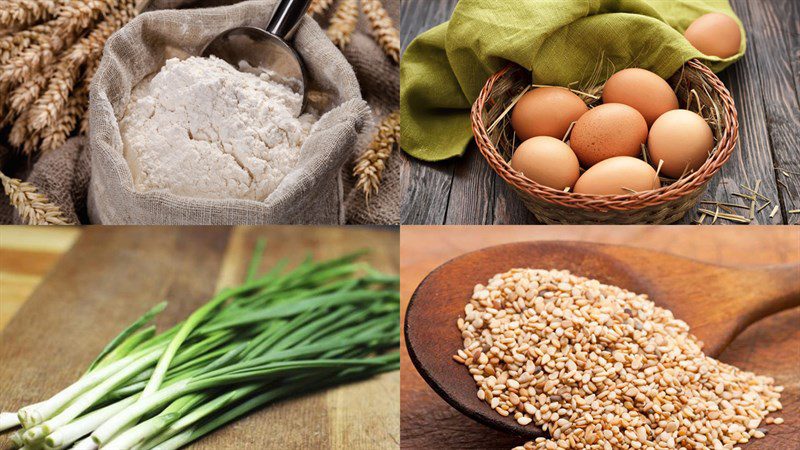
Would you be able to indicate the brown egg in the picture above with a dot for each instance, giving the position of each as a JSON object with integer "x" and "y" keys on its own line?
{"x": 546, "y": 111}
{"x": 548, "y": 161}
{"x": 715, "y": 34}
{"x": 642, "y": 90}
{"x": 618, "y": 176}
{"x": 682, "y": 139}
{"x": 608, "y": 130}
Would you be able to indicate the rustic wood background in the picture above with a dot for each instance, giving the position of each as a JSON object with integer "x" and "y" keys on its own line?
{"x": 113, "y": 274}
{"x": 26, "y": 255}
{"x": 764, "y": 85}
{"x": 769, "y": 347}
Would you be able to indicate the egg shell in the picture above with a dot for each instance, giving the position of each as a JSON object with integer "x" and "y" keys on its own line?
{"x": 546, "y": 111}
{"x": 682, "y": 139}
{"x": 615, "y": 176}
{"x": 547, "y": 161}
{"x": 608, "y": 130}
{"x": 715, "y": 34}
{"x": 642, "y": 90}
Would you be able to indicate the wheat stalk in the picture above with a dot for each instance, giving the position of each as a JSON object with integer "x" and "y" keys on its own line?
{"x": 383, "y": 29}
{"x": 370, "y": 165}
{"x": 33, "y": 207}
{"x": 320, "y": 6}
{"x": 343, "y": 23}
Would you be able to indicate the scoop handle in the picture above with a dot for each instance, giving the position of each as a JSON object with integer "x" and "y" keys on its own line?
{"x": 287, "y": 17}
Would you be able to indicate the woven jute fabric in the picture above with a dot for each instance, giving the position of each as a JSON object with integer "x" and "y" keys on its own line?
{"x": 379, "y": 80}
{"x": 379, "y": 77}
{"x": 310, "y": 194}
{"x": 62, "y": 176}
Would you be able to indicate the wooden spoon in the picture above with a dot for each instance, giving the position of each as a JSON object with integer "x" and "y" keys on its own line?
{"x": 717, "y": 302}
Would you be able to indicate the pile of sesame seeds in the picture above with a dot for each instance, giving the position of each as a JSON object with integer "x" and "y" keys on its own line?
{"x": 599, "y": 367}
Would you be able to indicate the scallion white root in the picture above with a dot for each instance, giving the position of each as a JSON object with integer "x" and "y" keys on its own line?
{"x": 8, "y": 420}
{"x": 75, "y": 430}
{"x": 86, "y": 444}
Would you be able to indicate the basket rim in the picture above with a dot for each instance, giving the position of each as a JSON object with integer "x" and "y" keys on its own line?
{"x": 626, "y": 202}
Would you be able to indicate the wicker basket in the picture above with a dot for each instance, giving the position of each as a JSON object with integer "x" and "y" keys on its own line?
{"x": 694, "y": 84}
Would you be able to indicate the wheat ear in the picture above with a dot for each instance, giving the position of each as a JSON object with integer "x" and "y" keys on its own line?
{"x": 65, "y": 29}
{"x": 24, "y": 13}
{"x": 343, "y": 23}
{"x": 33, "y": 207}
{"x": 55, "y": 135}
{"x": 370, "y": 165}
{"x": 19, "y": 131}
{"x": 383, "y": 28}
{"x": 46, "y": 110}
{"x": 14, "y": 43}
{"x": 319, "y": 6}
{"x": 28, "y": 91}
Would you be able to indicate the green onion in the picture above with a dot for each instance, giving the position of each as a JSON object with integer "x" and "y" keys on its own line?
{"x": 128, "y": 332}
{"x": 283, "y": 333}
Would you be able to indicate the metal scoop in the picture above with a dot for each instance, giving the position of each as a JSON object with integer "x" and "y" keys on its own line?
{"x": 252, "y": 49}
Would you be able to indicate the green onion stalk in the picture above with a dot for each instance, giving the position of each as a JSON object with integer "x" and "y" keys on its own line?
{"x": 279, "y": 334}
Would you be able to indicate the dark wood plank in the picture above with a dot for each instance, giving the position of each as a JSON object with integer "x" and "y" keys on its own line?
{"x": 425, "y": 186}
{"x": 794, "y": 42}
{"x": 752, "y": 158}
{"x": 508, "y": 208}
{"x": 426, "y": 190}
{"x": 417, "y": 16}
{"x": 471, "y": 195}
{"x": 777, "y": 84}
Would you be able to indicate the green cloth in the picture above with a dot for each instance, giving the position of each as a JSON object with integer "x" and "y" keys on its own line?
{"x": 560, "y": 41}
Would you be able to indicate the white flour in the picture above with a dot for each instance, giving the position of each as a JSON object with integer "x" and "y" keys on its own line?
{"x": 201, "y": 128}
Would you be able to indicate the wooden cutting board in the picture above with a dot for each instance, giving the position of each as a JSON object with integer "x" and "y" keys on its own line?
{"x": 770, "y": 347}
{"x": 113, "y": 274}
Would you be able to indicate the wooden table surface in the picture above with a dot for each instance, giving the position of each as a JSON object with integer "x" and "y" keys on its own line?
{"x": 113, "y": 274}
{"x": 764, "y": 85}
{"x": 427, "y": 421}
{"x": 26, "y": 255}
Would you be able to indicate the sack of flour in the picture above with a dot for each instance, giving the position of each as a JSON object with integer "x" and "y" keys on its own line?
{"x": 310, "y": 193}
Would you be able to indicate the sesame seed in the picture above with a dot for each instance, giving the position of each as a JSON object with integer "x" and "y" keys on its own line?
{"x": 599, "y": 367}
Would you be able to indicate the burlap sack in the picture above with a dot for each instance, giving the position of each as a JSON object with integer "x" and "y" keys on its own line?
{"x": 379, "y": 77}
{"x": 312, "y": 193}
